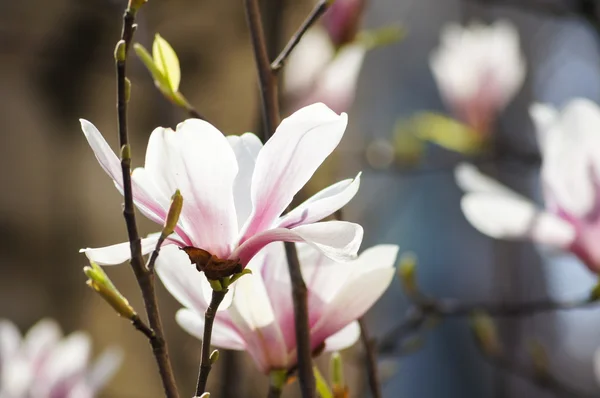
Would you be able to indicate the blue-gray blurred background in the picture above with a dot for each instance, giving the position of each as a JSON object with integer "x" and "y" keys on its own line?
{"x": 56, "y": 66}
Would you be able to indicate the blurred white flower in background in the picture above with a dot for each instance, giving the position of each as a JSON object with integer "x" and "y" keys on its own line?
{"x": 569, "y": 142}
{"x": 478, "y": 70}
{"x": 43, "y": 364}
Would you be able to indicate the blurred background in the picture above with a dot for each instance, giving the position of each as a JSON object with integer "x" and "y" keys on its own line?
{"x": 57, "y": 66}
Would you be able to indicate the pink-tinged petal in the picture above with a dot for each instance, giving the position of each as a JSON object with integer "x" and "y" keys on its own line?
{"x": 338, "y": 240}
{"x": 224, "y": 335}
{"x": 571, "y": 154}
{"x": 254, "y": 318}
{"x": 322, "y": 204}
{"x": 205, "y": 177}
{"x": 505, "y": 217}
{"x": 68, "y": 360}
{"x": 119, "y": 253}
{"x": 246, "y": 148}
{"x": 10, "y": 341}
{"x": 344, "y": 338}
{"x": 289, "y": 159}
{"x": 370, "y": 276}
{"x": 104, "y": 368}
{"x": 163, "y": 161}
{"x": 41, "y": 338}
{"x": 146, "y": 202}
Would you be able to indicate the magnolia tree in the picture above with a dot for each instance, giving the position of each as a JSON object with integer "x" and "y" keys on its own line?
{"x": 283, "y": 281}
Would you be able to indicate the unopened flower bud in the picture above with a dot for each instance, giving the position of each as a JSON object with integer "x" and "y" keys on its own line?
{"x": 99, "y": 281}
{"x": 135, "y": 5}
{"x": 173, "y": 214}
{"x": 120, "y": 51}
{"x": 214, "y": 357}
{"x": 407, "y": 274}
{"x": 486, "y": 334}
{"x": 539, "y": 359}
{"x": 342, "y": 20}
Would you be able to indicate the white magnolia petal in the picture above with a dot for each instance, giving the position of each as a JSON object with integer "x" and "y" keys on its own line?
{"x": 206, "y": 184}
{"x": 246, "y": 148}
{"x": 10, "y": 341}
{"x": 105, "y": 155}
{"x": 104, "y": 368}
{"x": 338, "y": 240}
{"x": 289, "y": 159}
{"x": 119, "y": 253}
{"x": 253, "y": 315}
{"x": 68, "y": 359}
{"x": 308, "y": 60}
{"x": 163, "y": 161}
{"x": 571, "y": 166}
{"x": 344, "y": 338}
{"x": 545, "y": 119}
{"x": 512, "y": 218}
{"x": 470, "y": 179}
{"x": 322, "y": 204}
{"x": 41, "y": 338}
{"x": 224, "y": 336}
{"x": 181, "y": 278}
{"x": 357, "y": 295}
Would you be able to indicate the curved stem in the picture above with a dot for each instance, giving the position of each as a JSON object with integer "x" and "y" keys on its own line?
{"x": 209, "y": 320}
{"x": 371, "y": 360}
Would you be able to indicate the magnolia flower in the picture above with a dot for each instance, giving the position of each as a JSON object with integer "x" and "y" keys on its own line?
{"x": 341, "y": 20}
{"x": 235, "y": 189}
{"x": 259, "y": 316}
{"x": 478, "y": 70}
{"x": 45, "y": 365}
{"x": 316, "y": 72}
{"x": 569, "y": 142}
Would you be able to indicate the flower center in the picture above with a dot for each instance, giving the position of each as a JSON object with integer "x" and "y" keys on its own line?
{"x": 213, "y": 267}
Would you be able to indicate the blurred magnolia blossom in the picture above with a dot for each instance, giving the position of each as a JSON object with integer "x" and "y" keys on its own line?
{"x": 43, "y": 364}
{"x": 342, "y": 20}
{"x": 235, "y": 189}
{"x": 569, "y": 142}
{"x": 478, "y": 70}
{"x": 317, "y": 72}
{"x": 259, "y": 318}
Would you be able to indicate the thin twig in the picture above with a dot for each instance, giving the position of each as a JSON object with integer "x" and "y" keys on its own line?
{"x": 194, "y": 113}
{"x": 274, "y": 391}
{"x": 145, "y": 279}
{"x": 429, "y": 308}
{"x": 371, "y": 360}
{"x": 270, "y": 107}
{"x": 209, "y": 320}
{"x": 546, "y": 380}
{"x": 155, "y": 253}
{"x": 137, "y": 322}
{"x": 318, "y": 10}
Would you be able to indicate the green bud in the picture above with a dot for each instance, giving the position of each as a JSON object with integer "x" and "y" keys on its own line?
{"x": 126, "y": 152}
{"x": 215, "y": 285}
{"x": 173, "y": 214}
{"x": 407, "y": 272}
{"x": 337, "y": 370}
{"x": 120, "y": 51}
{"x": 99, "y": 281}
{"x": 135, "y": 5}
{"x": 214, "y": 357}
{"x": 166, "y": 62}
{"x": 237, "y": 276}
{"x": 486, "y": 334}
{"x": 539, "y": 359}
{"x": 127, "y": 90}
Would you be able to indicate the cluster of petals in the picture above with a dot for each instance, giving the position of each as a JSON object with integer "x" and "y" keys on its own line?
{"x": 235, "y": 190}
{"x": 43, "y": 364}
{"x": 317, "y": 72}
{"x": 259, "y": 318}
{"x": 478, "y": 70}
{"x": 569, "y": 142}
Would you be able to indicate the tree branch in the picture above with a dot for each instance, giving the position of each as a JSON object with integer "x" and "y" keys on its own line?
{"x": 318, "y": 10}
{"x": 371, "y": 360}
{"x": 144, "y": 278}
{"x": 270, "y": 108}
{"x": 209, "y": 320}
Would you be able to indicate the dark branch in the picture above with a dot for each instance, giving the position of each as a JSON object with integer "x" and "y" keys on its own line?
{"x": 270, "y": 107}
{"x": 371, "y": 360}
{"x": 318, "y": 10}
{"x": 144, "y": 278}
{"x": 209, "y": 320}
